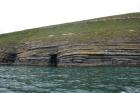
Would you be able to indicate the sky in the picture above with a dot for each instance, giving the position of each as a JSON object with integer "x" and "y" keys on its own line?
{"x": 17, "y": 15}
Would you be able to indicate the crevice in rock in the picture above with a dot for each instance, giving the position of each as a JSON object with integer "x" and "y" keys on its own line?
{"x": 53, "y": 60}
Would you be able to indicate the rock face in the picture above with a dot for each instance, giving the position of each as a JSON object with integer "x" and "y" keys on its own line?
{"x": 83, "y": 54}
{"x": 7, "y": 55}
{"x": 113, "y": 41}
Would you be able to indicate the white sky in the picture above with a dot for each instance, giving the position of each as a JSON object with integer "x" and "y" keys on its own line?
{"x": 16, "y": 15}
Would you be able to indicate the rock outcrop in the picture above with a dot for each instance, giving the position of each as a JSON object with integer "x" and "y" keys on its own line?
{"x": 104, "y": 50}
{"x": 86, "y": 54}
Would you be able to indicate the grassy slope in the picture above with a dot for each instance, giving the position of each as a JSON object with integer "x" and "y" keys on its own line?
{"x": 80, "y": 31}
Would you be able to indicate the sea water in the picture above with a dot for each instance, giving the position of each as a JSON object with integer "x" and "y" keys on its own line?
{"x": 34, "y": 79}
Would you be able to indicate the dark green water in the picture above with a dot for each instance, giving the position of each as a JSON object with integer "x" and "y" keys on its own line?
{"x": 28, "y": 79}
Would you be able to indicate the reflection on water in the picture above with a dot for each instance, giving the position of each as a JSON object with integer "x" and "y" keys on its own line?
{"x": 28, "y": 79}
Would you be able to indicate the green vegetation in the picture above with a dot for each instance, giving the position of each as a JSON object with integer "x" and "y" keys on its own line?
{"x": 127, "y": 26}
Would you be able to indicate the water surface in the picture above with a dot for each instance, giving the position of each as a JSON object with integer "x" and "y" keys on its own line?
{"x": 32, "y": 79}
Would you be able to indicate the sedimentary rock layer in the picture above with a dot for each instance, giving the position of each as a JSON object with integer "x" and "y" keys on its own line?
{"x": 90, "y": 54}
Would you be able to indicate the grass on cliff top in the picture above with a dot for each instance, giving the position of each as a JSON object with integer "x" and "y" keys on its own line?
{"x": 82, "y": 31}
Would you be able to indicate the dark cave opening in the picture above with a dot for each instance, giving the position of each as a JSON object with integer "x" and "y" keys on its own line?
{"x": 53, "y": 60}
{"x": 10, "y": 58}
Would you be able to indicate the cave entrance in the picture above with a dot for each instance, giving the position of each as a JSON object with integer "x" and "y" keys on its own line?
{"x": 10, "y": 58}
{"x": 53, "y": 60}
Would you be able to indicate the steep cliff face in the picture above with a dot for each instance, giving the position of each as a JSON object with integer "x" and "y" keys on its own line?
{"x": 110, "y": 41}
{"x": 8, "y": 55}
{"x": 83, "y": 54}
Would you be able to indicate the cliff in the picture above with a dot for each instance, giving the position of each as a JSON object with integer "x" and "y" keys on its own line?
{"x": 107, "y": 41}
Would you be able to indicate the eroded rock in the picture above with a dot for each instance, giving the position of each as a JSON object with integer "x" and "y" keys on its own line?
{"x": 93, "y": 54}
